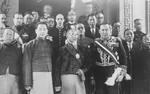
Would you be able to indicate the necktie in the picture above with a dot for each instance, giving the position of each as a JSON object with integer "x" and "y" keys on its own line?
{"x": 93, "y": 32}
{"x": 130, "y": 46}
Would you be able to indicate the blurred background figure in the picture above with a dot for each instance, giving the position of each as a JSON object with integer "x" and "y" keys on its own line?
{"x": 71, "y": 19}
{"x": 28, "y": 19}
{"x": 100, "y": 19}
{"x": 35, "y": 15}
{"x": 3, "y": 25}
{"x": 47, "y": 10}
{"x": 51, "y": 25}
{"x": 138, "y": 33}
{"x": 18, "y": 25}
{"x": 116, "y": 29}
{"x": 28, "y": 32}
{"x": 50, "y": 22}
{"x": 42, "y": 19}
{"x": 3, "y": 20}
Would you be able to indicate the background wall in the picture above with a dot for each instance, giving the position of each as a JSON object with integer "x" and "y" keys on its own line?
{"x": 139, "y": 11}
{"x": 109, "y": 7}
{"x": 59, "y": 6}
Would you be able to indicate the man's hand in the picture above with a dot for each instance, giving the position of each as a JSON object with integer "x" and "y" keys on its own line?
{"x": 80, "y": 73}
{"x": 58, "y": 88}
{"x": 28, "y": 88}
{"x": 49, "y": 38}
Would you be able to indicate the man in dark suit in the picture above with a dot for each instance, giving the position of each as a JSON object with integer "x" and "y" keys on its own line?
{"x": 100, "y": 19}
{"x": 37, "y": 63}
{"x": 71, "y": 19}
{"x": 87, "y": 45}
{"x": 129, "y": 46}
{"x": 137, "y": 65}
{"x": 91, "y": 30}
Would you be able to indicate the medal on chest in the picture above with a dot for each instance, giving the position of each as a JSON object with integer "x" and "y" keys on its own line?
{"x": 77, "y": 56}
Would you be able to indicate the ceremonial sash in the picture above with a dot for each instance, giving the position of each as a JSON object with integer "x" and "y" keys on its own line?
{"x": 108, "y": 52}
{"x": 73, "y": 52}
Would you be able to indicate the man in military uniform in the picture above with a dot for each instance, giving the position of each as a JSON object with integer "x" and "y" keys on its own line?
{"x": 105, "y": 64}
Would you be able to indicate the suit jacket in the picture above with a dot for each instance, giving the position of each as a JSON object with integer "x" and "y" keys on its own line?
{"x": 129, "y": 57}
{"x": 37, "y": 58}
{"x": 87, "y": 45}
{"x": 90, "y": 35}
{"x": 68, "y": 62}
{"x": 140, "y": 61}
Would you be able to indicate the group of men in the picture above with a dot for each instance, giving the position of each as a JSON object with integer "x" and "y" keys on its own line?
{"x": 29, "y": 52}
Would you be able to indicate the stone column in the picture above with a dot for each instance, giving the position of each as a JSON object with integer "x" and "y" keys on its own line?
{"x": 126, "y": 15}
{"x": 148, "y": 17}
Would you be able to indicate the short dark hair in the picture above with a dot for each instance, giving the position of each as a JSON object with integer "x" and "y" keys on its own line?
{"x": 99, "y": 12}
{"x": 39, "y": 23}
{"x": 3, "y": 13}
{"x": 27, "y": 13}
{"x": 18, "y": 14}
{"x": 51, "y": 17}
{"x": 10, "y": 28}
{"x": 47, "y": 5}
{"x": 137, "y": 20}
{"x": 91, "y": 15}
{"x": 128, "y": 29}
{"x": 105, "y": 24}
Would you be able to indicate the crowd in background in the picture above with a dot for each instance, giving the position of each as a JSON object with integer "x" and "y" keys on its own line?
{"x": 54, "y": 55}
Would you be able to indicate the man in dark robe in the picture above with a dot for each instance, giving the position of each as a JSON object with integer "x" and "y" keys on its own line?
{"x": 37, "y": 63}
{"x": 10, "y": 64}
